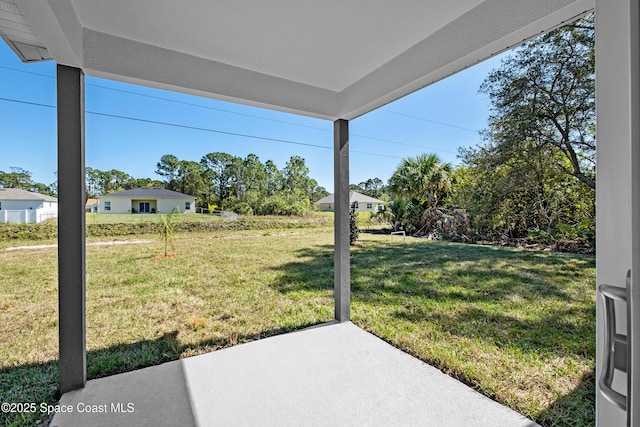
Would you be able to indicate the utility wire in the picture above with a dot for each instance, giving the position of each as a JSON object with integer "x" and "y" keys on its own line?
{"x": 403, "y": 143}
{"x": 429, "y": 120}
{"x": 265, "y": 118}
{"x": 177, "y": 125}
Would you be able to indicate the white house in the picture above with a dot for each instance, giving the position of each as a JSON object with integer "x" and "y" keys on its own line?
{"x": 146, "y": 200}
{"x": 22, "y": 206}
{"x": 362, "y": 203}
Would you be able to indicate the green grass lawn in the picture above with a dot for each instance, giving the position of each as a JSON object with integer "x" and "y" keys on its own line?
{"x": 516, "y": 325}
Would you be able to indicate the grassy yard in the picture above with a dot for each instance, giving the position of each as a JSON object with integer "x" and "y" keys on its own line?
{"x": 516, "y": 325}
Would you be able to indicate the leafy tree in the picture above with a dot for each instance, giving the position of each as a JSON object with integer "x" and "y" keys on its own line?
{"x": 38, "y": 187}
{"x": 526, "y": 195}
{"x": 296, "y": 175}
{"x": 274, "y": 177}
{"x": 93, "y": 182}
{"x": 21, "y": 179}
{"x": 544, "y": 96}
{"x": 16, "y": 178}
{"x": 424, "y": 179}
{"x": 169, "y": 168}
{"x": 317, "y": 192}
{"x": 190, "y": 178}
{"x": 255, "y": 174}
{"x": 148, "y": 182}
{"x": 218, "y": 174}
{"x": 371, "y": 187}
{"x": 115, "y": 180}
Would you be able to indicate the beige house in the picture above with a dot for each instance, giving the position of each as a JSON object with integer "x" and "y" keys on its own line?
{"x": 91, "y": 205}
{"x": 146, "y": 200}
{"x": 362, "y": 203}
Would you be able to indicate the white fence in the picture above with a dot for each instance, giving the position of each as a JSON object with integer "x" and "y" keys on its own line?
{"x": 26, "y": 216}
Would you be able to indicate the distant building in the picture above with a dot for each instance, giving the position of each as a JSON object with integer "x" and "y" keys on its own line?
{"x": 146, "y": 200}
{"x": 362, "y": 203}
{"x": 91, "y": 205}
{"x": 20, "y": 206}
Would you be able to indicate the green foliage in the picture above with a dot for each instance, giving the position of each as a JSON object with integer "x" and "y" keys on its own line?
{"x": 43, "y": 231}
{"x": 167, "y": 225}
{"x": 248, "y": 186}
{"x": 423, "y": 178}
{"x": 242, "y": 208}
{"x": 544, "y": 95}
{"x": 21, "y": 179}
{"x": 285, "y": 203}
{"x": 371, "y": 187}
{"x": 354, "y": 231}
{"x": 534, "y": 175}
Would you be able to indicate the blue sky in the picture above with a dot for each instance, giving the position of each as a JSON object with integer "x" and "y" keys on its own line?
{"x": 438, "y": 119}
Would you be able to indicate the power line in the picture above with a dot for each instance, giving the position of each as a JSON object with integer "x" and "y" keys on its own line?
{"x": 403, "y": 143}
{"x": 175, "y": 101}
{"x": 260, "y": 117}
{"x": 430, "y": 121}
{"x": 177, "y": 125}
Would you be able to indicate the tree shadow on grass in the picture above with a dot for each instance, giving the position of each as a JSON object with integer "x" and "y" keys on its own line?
{"x": 38, "y": 382}
{"x": 522, "y": 301}
{"x": 412, "y": 269}
{"x": 576, "y": 409}
{"x": 490, "y": 289}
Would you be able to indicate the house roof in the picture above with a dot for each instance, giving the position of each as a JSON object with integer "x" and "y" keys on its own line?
{"x": 329, "y": 59}
{"x": 91, "y": 202}
{"x": 17, "y": 194}
{"x": 149, "y": 193}
{"x": 354, "y": 196}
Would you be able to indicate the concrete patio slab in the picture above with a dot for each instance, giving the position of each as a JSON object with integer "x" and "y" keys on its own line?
{"x": 333, "y": 374}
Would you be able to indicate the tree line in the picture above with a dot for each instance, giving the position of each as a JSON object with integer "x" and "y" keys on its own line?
{"x": 243, "y": 185}
{"x": 20, "y": 178}
{"x": 220, "y": 180}
{"x": 534, "y": 173}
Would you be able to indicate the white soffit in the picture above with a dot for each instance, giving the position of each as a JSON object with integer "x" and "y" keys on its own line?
{"x": 19, "y": 35}
{"x": 329, "y": 59}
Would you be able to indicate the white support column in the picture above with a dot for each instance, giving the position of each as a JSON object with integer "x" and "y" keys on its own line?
{"x": 341, "y": 261}
{"x": 618, "y": 194}
{"x": 72, "y": 371}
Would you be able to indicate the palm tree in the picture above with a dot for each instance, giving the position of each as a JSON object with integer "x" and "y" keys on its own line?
{"x": 423, "y": 178}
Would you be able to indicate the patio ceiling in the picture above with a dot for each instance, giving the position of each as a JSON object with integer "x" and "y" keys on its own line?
{"x": 329, "y": 59}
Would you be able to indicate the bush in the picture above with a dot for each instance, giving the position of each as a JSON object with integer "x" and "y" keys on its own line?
{"x": 354, "y": 231}
{"x": 43, "y": 231}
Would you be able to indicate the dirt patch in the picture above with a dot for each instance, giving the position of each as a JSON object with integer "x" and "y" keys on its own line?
{"x": 55, "y": 245}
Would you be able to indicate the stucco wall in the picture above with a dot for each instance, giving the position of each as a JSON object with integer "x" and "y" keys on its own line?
{"x": 118, "y": 205}
{"x": 22, "y": 204}
{"x": 167, "y": 205}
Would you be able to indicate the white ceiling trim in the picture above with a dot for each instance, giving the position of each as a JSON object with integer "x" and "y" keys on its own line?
{"x": 478, "y": 33}
{"x": 444, "y": 54}
{"x": 134, "y": 62}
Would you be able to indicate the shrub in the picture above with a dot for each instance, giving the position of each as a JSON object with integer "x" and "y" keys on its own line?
{"x": 354, "y": 231}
